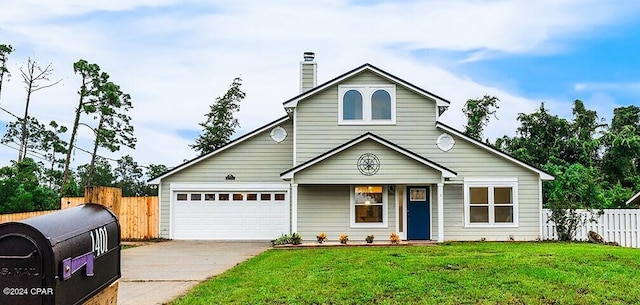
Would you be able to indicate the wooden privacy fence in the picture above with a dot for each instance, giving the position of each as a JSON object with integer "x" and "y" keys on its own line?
{"x": 619, "y": 225}
{"x": 138, "y": 215}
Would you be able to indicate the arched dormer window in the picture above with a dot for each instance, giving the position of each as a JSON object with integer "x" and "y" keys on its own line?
{"x": 381, "y": 105}
{"x": 352, "y": 105}
{"x": 366, "y": 104}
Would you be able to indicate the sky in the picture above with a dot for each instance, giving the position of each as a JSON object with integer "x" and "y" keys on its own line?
{"x": 175, "y": 57}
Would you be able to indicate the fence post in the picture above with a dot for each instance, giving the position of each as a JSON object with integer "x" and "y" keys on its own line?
{"x": 111, "y": 197}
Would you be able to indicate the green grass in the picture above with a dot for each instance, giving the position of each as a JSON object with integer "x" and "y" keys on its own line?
{"x": 456, "y": 273}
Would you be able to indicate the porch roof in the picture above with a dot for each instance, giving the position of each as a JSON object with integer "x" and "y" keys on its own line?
{"x": 445, "y": 172}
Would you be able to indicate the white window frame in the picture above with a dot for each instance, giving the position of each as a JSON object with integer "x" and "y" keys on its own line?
{"x": 367, "y": 92}
{"x": 385, "y": 209}
{"x": 490, "y": 183}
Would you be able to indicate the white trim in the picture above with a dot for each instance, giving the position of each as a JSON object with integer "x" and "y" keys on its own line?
{"x": 490, "y": 179}
{"x": 633, "y": 198}
{"x": 431, "y": 194}
{"x": 543, "y": 175}
{"x": 160, "y": 210}
{"x": 295, "y": 136}
{"x": 367, "y": 67}
{"x": 294, "y": 207}
{"x": 490, "y": 183}
{"x": 403, "y": 234}
{"x": 233, "y": 143}
{"x": 171, "y": 213}
{"x": 230, "y": 186}
{"x": 541, "y": 207}
{"x": 444, "y": 172}
{"x": 367, "y": 91}
{"x": 385, "y": 209}
{"x": 440, "y": 212}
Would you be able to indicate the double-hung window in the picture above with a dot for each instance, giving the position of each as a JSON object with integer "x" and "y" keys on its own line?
{"x": 491, "y": 202}
{"x": 366, "y": 104}
{"x": 368, "y": 206}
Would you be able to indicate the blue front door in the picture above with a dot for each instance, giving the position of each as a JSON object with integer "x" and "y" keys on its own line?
{"x": 418, "y": 212}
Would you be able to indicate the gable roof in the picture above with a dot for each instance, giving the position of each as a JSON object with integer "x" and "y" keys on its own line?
{"x": 447, "y": 173}
{"x": 293, "y": 102}
{"x": 543, "y": 174}
{"x": 632, "y": 199}
{"x": 156, "y": 180}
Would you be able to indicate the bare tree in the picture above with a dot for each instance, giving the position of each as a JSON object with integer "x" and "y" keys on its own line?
{"x": 35, "y": 78}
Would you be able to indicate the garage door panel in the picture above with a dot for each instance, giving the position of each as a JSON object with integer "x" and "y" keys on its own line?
{"x": 261, "y": 215}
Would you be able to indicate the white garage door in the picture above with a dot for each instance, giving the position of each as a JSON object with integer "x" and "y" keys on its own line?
{"x": 233, "y": 215}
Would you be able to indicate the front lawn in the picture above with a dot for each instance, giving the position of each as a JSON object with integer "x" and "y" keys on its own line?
{"x": 456, "y": 273}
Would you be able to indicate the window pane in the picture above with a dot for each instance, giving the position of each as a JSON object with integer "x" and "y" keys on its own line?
{"x": 368, "y": 194}
{"x": 238, "y": 197}
{"x": 209, "y": 197}
{"x": 352, "y": 105}
{"x": 502, "y": 195}
{"x": 479, "y": 195}
{"x": 279, "y": 197}
{"x": 479, "y": 214}
{"x": 504, "y": 214}
{"x": 196, "y": 197}
{"x": 381, "y": 105}
{"x": 368, "y": 213}
{"x": 252, "y": 197}
{"x": 223, "y": 197}
{"x": 182, "y": 197}
{"x": 265, "y": 197}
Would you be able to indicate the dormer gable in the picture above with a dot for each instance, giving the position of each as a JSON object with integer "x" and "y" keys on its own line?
{"x": 293, "y": 102}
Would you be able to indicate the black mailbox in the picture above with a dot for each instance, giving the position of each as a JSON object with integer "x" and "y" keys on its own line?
{"x": 64, "y": 257}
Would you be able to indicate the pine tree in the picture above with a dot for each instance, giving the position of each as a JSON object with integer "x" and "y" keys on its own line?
{"x": 220, "y": 123}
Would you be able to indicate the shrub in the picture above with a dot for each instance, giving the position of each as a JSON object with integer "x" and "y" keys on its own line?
{"x": 394, "y": 238}
{"x": 322, "y": 237}
{"x": 296, "y": 239}
{"x": 286, "y": 239}
{"x": 369, "y": 238}
{"x": 344, "y": 238}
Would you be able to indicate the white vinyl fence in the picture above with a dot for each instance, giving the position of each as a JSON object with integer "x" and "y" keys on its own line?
{"x": 619, "y": 225}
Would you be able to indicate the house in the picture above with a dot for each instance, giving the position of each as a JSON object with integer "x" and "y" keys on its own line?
{"x": 361, "y": 154}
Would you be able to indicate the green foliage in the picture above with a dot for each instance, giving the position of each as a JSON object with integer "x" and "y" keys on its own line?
{"x": 478, "y": 113}
{"x": 21, "y": 191}
{"x": 5, "y": 50}
{"x": 288, "y": 239}
{"x": 128, "y": 177}
{"x": 220, "y": 123}
{"x": 103, "y": 174}
{"x": 620, "y": 162}
{"x": 369, "y": 238}
{"x": 458, "y": 273}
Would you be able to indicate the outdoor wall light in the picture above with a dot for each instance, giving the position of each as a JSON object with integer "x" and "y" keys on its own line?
{"x": 230, "y": 177}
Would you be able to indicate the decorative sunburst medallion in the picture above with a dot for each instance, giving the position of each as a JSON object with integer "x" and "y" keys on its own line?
{"x": 368, "y": 164}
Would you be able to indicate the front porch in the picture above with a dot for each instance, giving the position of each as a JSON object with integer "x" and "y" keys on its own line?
{"x": 412, "y": 211}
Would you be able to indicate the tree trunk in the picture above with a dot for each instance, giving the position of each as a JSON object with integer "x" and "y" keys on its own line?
{"x": 76, "y": 122}
{"x": 92, "y": 166}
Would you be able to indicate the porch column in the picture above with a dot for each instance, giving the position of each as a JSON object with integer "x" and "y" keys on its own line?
{"x": 440, "y": 212}
{"x": 294, "y": 208}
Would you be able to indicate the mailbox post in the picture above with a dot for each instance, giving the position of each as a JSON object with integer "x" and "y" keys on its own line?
{"x": 64, "y": 257}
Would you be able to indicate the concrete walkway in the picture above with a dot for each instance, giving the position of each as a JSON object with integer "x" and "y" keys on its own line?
{"x": 160, "y": 272}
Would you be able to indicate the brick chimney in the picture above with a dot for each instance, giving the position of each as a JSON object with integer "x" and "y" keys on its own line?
{"x": 308, "y": 72}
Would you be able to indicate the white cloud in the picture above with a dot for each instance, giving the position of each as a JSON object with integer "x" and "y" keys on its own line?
{"x": 174, "y": 57}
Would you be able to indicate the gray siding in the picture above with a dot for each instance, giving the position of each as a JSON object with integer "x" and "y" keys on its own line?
{"x": 255, "y": 160}
{"x": 342, "y": 167}
{"x": 325, "y": 208}
{"x": 318, "y": 130}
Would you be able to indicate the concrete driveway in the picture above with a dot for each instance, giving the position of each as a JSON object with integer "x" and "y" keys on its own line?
{"x": 160, "y": 272}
